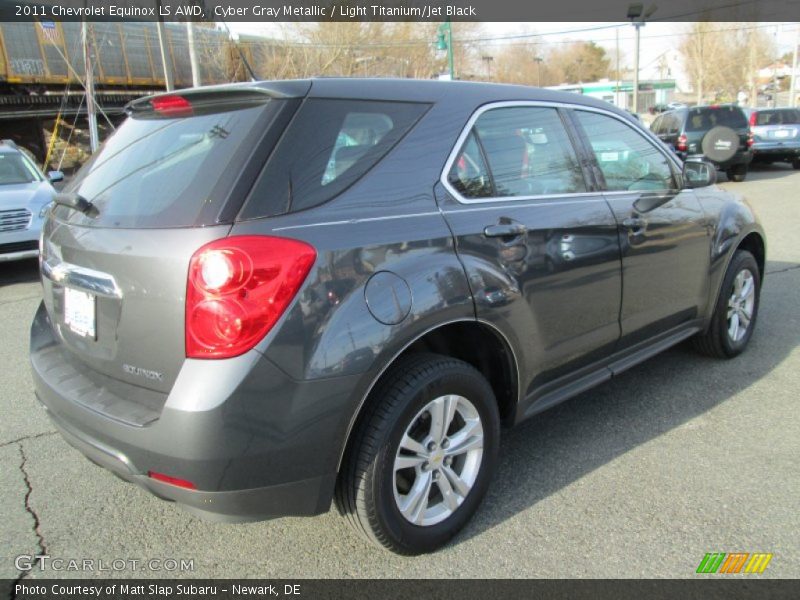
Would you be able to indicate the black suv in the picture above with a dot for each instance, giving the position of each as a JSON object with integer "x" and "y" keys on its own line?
{"x": 719, "y": 133}
{"x": 262, "y": 297}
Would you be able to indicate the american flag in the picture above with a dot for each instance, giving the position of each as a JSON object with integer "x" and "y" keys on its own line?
{"x": 50, "y": 31}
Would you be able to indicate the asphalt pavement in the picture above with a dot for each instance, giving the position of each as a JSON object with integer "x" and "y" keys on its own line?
{"x": 641, "y": 477}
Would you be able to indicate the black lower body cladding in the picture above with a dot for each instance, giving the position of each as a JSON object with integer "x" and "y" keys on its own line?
{"x": 243, "y": 464}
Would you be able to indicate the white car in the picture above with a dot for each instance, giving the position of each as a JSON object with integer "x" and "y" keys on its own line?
{"x": 25, "y": 196}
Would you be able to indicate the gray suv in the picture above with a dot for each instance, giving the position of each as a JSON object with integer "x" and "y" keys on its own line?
{"x": 262, "y": 298}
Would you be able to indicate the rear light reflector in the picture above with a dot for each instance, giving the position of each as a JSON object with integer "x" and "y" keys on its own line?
{"x": 172, "y": 106}
{"x": 750, "y": 139}
{"x": 171, "y": 480}
{"x": 682, "y": 143}
{"x": 238, "y": 287}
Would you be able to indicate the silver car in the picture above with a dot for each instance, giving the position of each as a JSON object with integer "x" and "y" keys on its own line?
{"x": 775, "y": 135}
{"x": 25, "y": 196}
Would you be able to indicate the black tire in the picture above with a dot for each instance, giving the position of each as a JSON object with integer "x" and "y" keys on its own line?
{"x": 365, "y": 492}
{"x": 737, "y": 173}
{"x": 716, "y": 341}
{"x": 796, "y": 163}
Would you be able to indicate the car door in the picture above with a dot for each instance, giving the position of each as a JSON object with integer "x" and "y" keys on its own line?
{"x": 539, "y": 245}
{"x": 663, "y": 232}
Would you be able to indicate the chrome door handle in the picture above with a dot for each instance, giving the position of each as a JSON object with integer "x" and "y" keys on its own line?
{"x": 634, "y": 223}
{"x": 505, "y": 230}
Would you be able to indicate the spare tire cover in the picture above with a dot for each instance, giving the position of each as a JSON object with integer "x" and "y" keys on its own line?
{"x": 720, "y": 143}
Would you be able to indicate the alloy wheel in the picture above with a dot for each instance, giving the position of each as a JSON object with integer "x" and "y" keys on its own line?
{"x": 438, "y": 460}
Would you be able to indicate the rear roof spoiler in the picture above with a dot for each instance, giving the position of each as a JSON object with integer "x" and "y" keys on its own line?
{"x": 247, "y": 93}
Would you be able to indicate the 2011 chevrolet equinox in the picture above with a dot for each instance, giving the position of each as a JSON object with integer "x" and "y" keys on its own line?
{"x": 262, "y": 297}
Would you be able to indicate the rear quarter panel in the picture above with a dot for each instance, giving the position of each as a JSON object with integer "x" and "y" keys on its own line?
{"x": 387, "y": 222}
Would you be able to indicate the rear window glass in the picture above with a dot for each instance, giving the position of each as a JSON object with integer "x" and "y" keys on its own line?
{"x": 173, "y": 172}
{"x": 703, "y": 119}
{"x": 329, "y": 145}
{"x": 778, "y": 117}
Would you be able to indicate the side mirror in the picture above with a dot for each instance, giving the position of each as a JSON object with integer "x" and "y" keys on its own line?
{"x": 55, "y": 176}
{"x": 699, "y": 173}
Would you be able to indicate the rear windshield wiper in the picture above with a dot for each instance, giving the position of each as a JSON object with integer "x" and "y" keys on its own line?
{"x": 76, "y": 202}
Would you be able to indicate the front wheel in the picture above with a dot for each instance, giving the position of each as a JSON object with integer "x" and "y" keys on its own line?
{"x": 796, "y": 163}
{"x": 736, "y": 310}
{"x": 423, "y": 455}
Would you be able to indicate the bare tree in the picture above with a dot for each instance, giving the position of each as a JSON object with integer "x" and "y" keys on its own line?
{"x": 723, "y": 60}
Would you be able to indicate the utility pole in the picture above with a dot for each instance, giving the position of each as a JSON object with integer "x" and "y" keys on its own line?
{"x": 616, "y": 89}
{"x": 91, "y": 109}
{"x": 488, "y": 60}
{"x": 193, "y": 54}
{"x": 162, "y": 44}
{"x": 538, "y": 60}
{"x": 792, "y": 86}
{"x": 638, "y": 26}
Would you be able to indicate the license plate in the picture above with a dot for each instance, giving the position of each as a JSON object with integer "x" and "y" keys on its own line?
{"x": 782, "y": 133}
{"x": 79, "y": 309}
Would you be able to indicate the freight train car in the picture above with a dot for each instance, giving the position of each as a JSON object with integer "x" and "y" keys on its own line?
{"x": 47, "y": 54}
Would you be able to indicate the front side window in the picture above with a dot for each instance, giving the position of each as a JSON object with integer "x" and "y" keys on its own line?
{"x": 627, "y": 159}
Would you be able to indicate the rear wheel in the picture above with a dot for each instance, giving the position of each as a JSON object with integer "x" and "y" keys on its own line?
{"x": 423, "y": 456}
{"x": 737, "y": 173}
{"x": 735, "y": 314}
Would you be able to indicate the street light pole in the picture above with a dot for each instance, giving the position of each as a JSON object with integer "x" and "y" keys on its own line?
{"x": 637, "y": 16}
{"x": 445, "y": 42}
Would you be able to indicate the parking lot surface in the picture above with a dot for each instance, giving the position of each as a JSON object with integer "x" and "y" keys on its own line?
{"x": 641, "y": 477}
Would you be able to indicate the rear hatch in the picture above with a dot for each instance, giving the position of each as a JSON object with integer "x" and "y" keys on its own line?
{"x": 702, "y": 119}
{"x": 776, "y": 125}
{"x": 170, "y": 179}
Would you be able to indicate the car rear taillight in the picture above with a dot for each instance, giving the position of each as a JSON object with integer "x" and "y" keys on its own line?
{"x": 750, "y": 139}
{"x": 238, "y": 287}
{"x": 171, "y": 480}
{"x": 683, "y": 143}
{"x": 172, "y": 106}
{"x": 753, "y": 118}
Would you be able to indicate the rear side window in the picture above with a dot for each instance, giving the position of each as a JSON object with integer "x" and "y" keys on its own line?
{"x": 528, "y": 152}
{"x": 704, "y": 118}
{"x": 329, "y": 145}
{"x": 168, "y": 172}
{"x": 469, "y": 174}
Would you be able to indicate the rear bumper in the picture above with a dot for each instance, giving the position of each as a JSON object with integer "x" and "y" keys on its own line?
{"x": 740, "y": 158}
{"x": 295, "y": 498}
{"x": 269, "y": 450}
{"x": 777, "y": 150}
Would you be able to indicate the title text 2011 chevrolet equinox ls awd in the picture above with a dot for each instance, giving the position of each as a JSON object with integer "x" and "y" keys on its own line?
{"x": 262, "y": 297}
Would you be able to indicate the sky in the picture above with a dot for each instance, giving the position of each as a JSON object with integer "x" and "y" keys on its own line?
{"x": 657, "y": 38}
